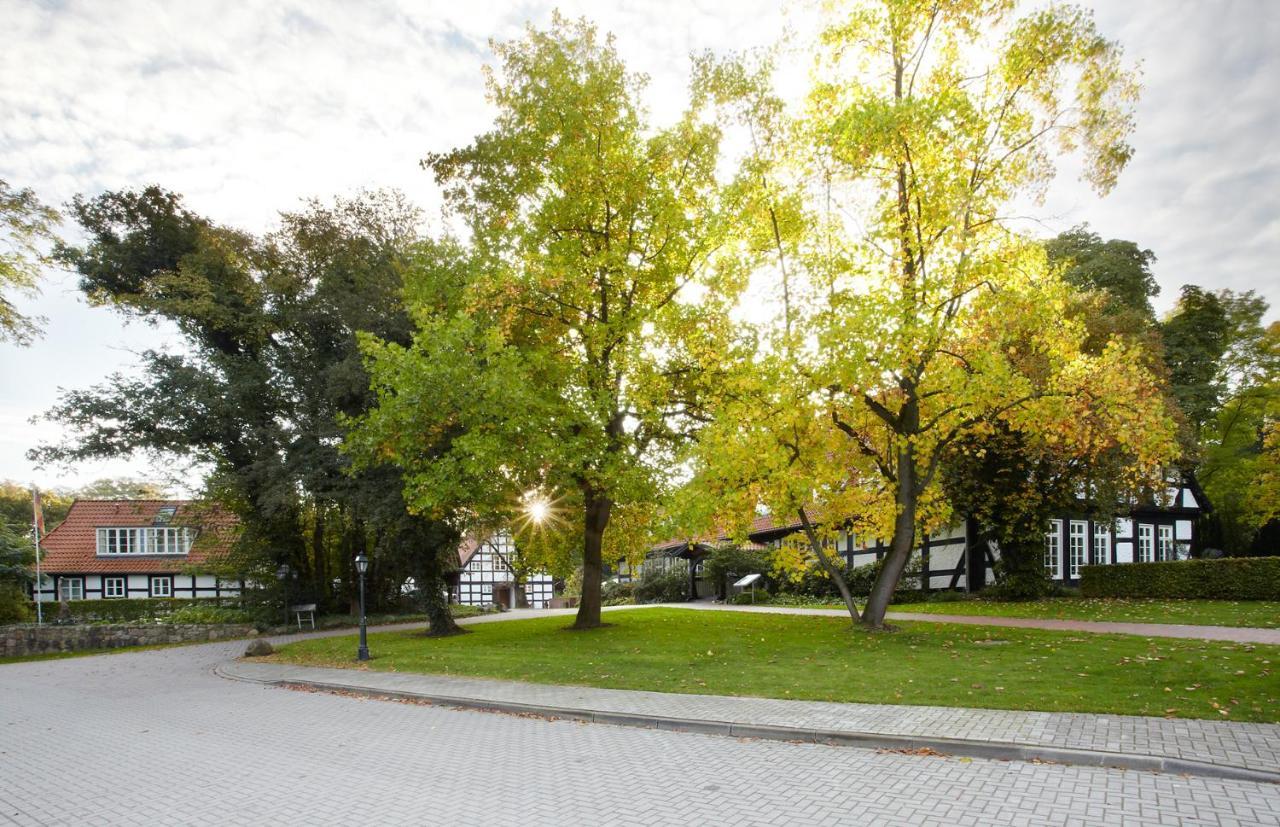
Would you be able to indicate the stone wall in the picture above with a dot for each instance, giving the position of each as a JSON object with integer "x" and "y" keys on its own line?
{"x": 30, "y": 639}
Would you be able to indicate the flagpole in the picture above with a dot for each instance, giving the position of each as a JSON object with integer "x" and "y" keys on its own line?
{"x": 35, "y": 531}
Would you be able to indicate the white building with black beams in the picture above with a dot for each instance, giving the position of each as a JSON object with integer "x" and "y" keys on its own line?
{"x": 123, "y": 549}
{"x": 488, "y": 575}
{"x": 962, "y": 556}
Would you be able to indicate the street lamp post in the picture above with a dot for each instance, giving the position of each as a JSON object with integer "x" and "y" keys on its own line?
{"x": 362, "y": 565}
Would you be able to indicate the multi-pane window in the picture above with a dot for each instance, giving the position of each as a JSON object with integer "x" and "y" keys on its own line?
{"x": 1164, "y": 542}
{"x": 1078, "y": 546}
{"x": 162, "y": 587}
{"x": 113, "y": 587}
{"x": 1146, "y": 542}
{"x": 1053, "y": 550}
{"x": 1101, "y": 543}
{"x": 162, "y": 540}
{"x": 71, "y": 588}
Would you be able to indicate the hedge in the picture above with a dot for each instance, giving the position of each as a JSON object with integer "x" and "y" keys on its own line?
{"x": 125, "y": 611}
{"x": 1226, "y": 578}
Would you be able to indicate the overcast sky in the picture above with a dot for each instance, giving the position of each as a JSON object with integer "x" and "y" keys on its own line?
{"x": 247, "y": 107}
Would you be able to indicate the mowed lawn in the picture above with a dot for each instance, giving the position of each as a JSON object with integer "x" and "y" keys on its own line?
{"x": 822, "y": 658}
{"x": 1258, "y": 613}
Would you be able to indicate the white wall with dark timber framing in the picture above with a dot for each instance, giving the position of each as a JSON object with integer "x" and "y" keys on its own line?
{"x": 490, "y": 566}
{"x": 134, "y": 585}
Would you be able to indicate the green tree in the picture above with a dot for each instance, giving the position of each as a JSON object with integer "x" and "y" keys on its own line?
{"x": 16, "y": 510}
{"x": 925, "y": 319}
{"x": 269, "y": 366}
{"x": 572, "y": 367}
{"x": 1196, "y": 338}
{"x": 27, "y": 227}
{"x": 123, "y": 488}
{"x": 17, "y": 556}
{"x": 1120, "y": 270}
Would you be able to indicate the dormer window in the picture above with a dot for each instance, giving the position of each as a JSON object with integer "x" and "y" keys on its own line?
{"x": 165, "y": 515}
{"x": 134, "y": 541}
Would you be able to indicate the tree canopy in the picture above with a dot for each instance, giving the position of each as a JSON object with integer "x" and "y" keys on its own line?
{"x": 568, "y": 363}
{"x": 27, "y": 229}
{"x": 268, "y": 366}
{"x": 923, "y": 321}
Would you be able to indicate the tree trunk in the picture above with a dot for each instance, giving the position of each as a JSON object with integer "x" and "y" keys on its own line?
{"x": 904, "y": 540}
{"x": 319, "y": 557}
{"x": 832, "y": 570}
{"x": 439, "y": 617}
{"x": 597, "y": 519}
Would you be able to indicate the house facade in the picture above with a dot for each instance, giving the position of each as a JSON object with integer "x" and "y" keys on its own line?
{"x": 963, "y": 556}
{"x": 129, "y": 549}
{"x": 487, "y": 575}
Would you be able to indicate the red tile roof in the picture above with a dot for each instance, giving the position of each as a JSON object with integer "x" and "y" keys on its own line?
{"x": 467, "y": 549}
{"x": 72, "y": 547}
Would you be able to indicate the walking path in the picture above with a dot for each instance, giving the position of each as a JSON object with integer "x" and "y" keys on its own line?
{"x": 1225, "y": 749}
{"x": 1233, "y": 634}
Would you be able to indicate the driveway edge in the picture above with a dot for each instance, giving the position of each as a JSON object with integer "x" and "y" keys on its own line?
{"x": 956, "y": 747}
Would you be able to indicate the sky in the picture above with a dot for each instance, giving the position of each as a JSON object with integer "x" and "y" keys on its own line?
{"x": 248, "y": 108}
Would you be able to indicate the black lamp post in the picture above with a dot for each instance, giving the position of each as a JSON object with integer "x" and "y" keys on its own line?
{"x": 282, "y": 574}
{"x": 362, "y": 565}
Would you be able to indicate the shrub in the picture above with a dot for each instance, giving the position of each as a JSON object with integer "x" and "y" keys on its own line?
{"x": 15, "y": 607}
{"x": 671, "y": 586}
{"x": 1226, "y": 578}
{"x": 148, "y": 610}
{"x": 745, "y": 598}
{"x": 209, "y": 614}
{"x": 615, "y": 593}
{"x": 731, "y": 562}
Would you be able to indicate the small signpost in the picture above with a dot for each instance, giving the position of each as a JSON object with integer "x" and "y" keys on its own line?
{"x": 749, "y": 580}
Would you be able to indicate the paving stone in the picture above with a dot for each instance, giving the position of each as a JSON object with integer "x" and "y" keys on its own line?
{"x": 157, "y": 738}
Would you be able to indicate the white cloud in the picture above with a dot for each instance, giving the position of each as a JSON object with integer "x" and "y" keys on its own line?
{"x": 246, "y": 107}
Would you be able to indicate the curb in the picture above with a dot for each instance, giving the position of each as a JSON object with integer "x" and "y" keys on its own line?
{"x": 958, "y": 747}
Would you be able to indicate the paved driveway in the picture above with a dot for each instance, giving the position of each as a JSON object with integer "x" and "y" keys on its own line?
{"x": 156, "y": 738}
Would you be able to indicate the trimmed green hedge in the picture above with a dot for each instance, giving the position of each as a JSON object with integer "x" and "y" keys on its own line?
{"x": 126, "y": 611}
{"x": 1227, "y": 578}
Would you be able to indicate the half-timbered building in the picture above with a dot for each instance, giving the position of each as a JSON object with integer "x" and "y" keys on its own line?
{"x": 963, "y": 556}
{"x": 487, "y": 575}
{"x": 122, "y": 549}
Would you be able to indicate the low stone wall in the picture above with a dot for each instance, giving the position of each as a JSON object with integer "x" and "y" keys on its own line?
{"x": 30, "y": 639}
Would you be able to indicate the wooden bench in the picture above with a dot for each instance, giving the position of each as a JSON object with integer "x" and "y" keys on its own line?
{"x": 308, "y": 609}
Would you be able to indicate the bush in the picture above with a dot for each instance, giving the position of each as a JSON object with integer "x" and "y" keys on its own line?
{"x": 209, "y": 614}
{"x": 745, "y": 598}
{"x": 728, "y": 563}
{"x": 15, "y": 607}
{"x": 615, "y": 593}
{"x": 148, "y": 610}
{"x": 671, "y": 586}
{"x": 1226, "y": 578}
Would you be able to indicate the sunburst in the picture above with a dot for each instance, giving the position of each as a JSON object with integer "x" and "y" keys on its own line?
{"x": 538, "y": 511}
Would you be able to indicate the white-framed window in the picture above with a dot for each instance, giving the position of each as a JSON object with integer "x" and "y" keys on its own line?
{"x": 113, "y": 587}
{"x": 1146, "y": 542}
{"x": 1053, "y": 550}
{"x": 1164, "y": 543}
{"x": 71, "y": 588}
{"x": 161, "y": 586}
{"x": 152, "y": 540}
{"x": 1078, "y": 545}
{"x": 1101, "y": 543}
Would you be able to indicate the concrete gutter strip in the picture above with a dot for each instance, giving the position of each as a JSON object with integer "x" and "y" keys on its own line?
{"x": 995, "y": 750}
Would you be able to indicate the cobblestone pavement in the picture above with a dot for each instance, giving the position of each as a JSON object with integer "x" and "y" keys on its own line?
{"x": 1231, "y": 634}
{"x": 1229, "y": 743}
{"x": 156, "y": 738}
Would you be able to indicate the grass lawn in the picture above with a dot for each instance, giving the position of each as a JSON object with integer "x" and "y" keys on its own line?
{"x": 821, "y": 658}
{"x": 1260, "y": 613}
{"x": 1263, "y": 614}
